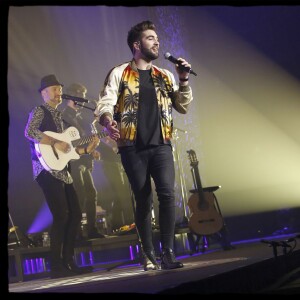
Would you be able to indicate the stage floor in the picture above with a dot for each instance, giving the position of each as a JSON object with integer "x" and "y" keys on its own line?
{"x": 250, "y": 267}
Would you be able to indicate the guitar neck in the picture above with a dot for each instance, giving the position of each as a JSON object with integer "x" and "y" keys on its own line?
{"x": 198, "y": 181}
{"x": 87, "y": 139}
{"x": 194, "y": 165}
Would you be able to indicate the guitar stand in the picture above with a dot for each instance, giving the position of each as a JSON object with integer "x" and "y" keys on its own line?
{"x": 21, "y": 239}
{"x": 204, "y": 240}
{"x": 11, "y": 230}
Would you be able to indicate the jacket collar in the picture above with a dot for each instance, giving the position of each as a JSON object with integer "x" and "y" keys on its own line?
{"x": 134, "y": 67}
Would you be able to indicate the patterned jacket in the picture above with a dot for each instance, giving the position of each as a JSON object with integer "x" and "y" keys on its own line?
{"x": 119, "y": 98}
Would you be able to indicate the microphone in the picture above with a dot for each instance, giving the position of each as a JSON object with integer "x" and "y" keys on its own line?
{"x": 73, "y": 98}
{"x": 175, "y": 61}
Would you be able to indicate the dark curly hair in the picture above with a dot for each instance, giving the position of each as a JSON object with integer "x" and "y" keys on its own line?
{"x": 135, "y": 33}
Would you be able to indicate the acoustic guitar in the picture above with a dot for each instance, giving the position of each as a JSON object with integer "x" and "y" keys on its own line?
{"x": 54, "y": 159}
{"x": 205, "y": 218}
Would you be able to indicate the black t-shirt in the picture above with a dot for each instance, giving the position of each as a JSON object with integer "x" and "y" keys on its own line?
{"x": 148, "y": 123}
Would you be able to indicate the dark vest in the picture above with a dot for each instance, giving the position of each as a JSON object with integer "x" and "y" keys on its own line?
{"x": 47, "y": 124}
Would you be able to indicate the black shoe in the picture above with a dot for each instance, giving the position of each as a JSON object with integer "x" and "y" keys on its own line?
{"x": 169, "y": 261}
{"x": 61, "y": 271}
{"x": 78, "y": 270}
{"x": 149, "y": 261}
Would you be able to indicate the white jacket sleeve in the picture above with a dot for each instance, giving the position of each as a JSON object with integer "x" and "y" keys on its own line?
{"x": 109, "y": 94}
{"x": 182, "y": 95}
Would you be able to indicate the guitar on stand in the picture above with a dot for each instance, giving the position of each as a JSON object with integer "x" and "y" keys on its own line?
{"x": 206, "y": 218}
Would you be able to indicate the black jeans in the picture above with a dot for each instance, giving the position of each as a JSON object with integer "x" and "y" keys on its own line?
{"x": 156, "y": 162}
{"x": 64, "y": 205}
{"x": 86, "y": 192}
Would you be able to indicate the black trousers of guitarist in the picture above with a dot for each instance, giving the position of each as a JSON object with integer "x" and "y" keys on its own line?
{"x": 63, "y": 203}
{"x": 81, "y": 171}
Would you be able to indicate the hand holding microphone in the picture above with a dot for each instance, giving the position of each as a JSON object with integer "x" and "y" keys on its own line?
{"x": 182, "y": 64}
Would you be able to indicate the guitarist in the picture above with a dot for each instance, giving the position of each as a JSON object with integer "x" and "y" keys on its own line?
{"x": 57, "y": 186}
{"x": 81, "y": 169}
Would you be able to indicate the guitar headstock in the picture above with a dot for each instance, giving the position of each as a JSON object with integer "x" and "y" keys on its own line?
{"x": 193, "y": 158}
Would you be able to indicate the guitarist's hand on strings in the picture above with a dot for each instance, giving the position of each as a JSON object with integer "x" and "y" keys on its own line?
{"x": 62, "y": 146}
{"x": 59, "y": 145}
{"x": 55, "y": 143}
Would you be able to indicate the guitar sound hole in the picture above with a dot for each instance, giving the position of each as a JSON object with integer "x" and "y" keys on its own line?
{"x": 203, "y": 205}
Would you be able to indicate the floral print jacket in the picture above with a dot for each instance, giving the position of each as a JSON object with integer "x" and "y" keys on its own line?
{"x": 119, "y": 98}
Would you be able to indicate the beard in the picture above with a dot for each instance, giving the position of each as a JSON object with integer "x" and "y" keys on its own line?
{"x": 149, "y": 54}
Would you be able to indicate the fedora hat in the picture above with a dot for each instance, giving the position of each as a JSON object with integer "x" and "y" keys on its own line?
{"x": 49, "y": 80}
